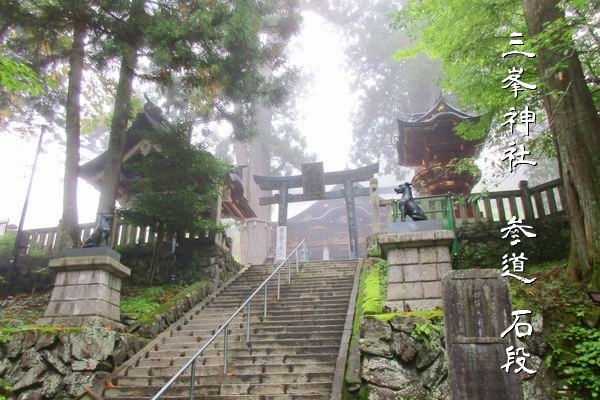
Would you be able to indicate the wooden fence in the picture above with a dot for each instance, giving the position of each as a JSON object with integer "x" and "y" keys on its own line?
{"x": 526, "y": 203}
{"x": 45, "y": 239}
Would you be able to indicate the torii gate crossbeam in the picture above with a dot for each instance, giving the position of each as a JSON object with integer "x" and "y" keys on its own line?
{"x": 313, "y": 181}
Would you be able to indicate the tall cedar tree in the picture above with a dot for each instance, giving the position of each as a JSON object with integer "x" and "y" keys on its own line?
{"x": 575, "y": 126}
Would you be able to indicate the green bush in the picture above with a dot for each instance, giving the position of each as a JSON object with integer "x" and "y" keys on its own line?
{"x": 579, "y": 359}
{"x": 7, "y": 243}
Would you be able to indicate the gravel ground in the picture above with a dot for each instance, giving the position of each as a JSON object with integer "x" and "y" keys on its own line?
{"x": 23, "y": 309}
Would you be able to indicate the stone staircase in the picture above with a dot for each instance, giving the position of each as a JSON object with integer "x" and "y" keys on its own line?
{"x": 292, "y": 352}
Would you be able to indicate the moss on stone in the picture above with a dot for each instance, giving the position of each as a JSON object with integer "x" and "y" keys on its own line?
{"x": 375, "y": 287}
{"x": 427, "y": 314}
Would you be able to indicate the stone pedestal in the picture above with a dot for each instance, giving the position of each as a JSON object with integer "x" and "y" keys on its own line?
{"x": 87, "y": 289}
{"x": 417, "y": 261}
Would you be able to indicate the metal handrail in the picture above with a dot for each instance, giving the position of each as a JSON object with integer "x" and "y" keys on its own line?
{"x": 246, "y": 304}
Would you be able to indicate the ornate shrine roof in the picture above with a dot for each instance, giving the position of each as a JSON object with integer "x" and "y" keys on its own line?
{"x": 429, "y": 137}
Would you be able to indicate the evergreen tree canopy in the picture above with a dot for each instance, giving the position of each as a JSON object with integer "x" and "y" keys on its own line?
{"x": 175, "y": 188}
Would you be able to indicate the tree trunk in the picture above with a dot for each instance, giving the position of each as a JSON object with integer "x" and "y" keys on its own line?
{"x": 575, "y": 127}
{"x": 68, "y": 233}
{"x": 120, "y": 118}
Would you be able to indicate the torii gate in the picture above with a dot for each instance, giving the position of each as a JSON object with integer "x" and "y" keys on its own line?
{"x": 313, "y": 181}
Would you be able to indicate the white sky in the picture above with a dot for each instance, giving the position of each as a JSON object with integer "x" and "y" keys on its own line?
{"x": 324, "y": 120}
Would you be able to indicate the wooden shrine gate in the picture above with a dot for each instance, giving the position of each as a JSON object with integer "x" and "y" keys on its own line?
{"x": 313, "y": 181}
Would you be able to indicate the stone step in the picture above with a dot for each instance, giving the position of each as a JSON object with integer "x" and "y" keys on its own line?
{"x": 235, "y": 369}
{"x": 231, "y": 378}
{"x": 188, "y": 336}
{"x": 257, "y": 342}
{"x": 256, "y": 309}
{"x": 241, "y": 359}
{"x": 291, "y": 354}
{"x": 285, "y": 300}
{"x": 235, "y": 350}
{"x": 269, "y": 389}
{"x": 298, "y": 287}
{"x": 277, "y": 389}
{"x": 333, "y": 319}
{"x": 270, "y": 328}
{"x": 240, "y": 397}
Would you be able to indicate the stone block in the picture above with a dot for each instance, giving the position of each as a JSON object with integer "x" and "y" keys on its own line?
{"x": 414, "y": 226}
{"x": 395, "y": 273}
{"x": 428, "y": 255}
{"x": 417, "y": 273}
{"x": 443, "y": 269}
{"x": 414, "y": 304}
{"x": 403, "y": 291}
{"x": 403, "y": 256}
{"x": 432, "y": 290}
{"x": 92, "y": 251}
{"x": 414, "y": 240}
{"x": 443, "y": 254}
{"x": 423, "y": 304}
{"x": 57, "y": 293}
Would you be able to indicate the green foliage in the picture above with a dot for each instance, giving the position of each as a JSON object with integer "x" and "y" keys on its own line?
{"x": 374, "y": 251}
{"x": 177, "y": 187}
{"x": 5, "y": 389}
{"x": 482, "y": 246}
{"x": 148, "y": 302}
{"x": 16, "y": 77}
{"x": 434, "y": 315}
{"x": 423, "y": 331}
{"x": 7, "y": 333}
{"x": 578, "y": 359}
{"x": 375, "y": 288}
{"x": 568, "y": 313}
{"x": 7, "y": 243}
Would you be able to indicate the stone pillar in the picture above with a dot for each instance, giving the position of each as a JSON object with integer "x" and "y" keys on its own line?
{"x": 87, "y": 289}
{"x": 477, "y": 310}
{"x": 417, "y": 261}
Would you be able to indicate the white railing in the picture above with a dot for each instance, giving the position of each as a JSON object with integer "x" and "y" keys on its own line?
{"x": 191, "y": 363}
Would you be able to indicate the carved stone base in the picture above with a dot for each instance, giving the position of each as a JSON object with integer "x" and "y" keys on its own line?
{"x": 417, "y": 262}
{"x": 87, "y": 291}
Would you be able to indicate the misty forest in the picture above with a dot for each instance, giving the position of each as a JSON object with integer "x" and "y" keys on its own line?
{"x": 220, "y": 89}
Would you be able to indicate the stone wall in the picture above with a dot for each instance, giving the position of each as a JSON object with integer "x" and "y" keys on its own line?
{"x": 405, "y": 359}
{"x": 401, "y": 364}
{"x": 53, "y": 363}
{"x": 56, "y": 364}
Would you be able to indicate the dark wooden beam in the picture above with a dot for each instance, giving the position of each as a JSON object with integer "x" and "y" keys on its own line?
{"x": 330, "y": 178}
{"x": 292, "y": 198}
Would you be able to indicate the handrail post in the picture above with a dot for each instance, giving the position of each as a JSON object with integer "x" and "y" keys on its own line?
{"x": 225, "y": 337}
{"x": 296, "y": 261}
{"x": 278, "y": 283}
{"x": 192, "y": 379}
{"x": 289, "y": 271}
{"x": 265, "y": 307}
{"x": 248, "y": 324}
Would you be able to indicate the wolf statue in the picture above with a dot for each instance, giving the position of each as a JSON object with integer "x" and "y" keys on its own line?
{"x": 408, "y": 205}
{"x": 99, "y": 238}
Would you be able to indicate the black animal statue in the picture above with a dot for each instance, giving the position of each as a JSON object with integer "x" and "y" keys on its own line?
{"x": 408, "y": 205}
{"x": 101, "y": 233}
